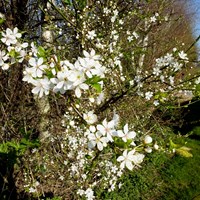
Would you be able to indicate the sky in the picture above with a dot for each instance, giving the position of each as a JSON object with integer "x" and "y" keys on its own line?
{"x": 194, "y": 8}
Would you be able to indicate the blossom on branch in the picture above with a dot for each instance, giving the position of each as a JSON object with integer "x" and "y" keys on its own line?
{"x": 10, "y": 37}
{"x": 125, "y": 134}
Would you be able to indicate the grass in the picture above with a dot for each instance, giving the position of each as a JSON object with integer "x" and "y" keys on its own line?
{"x": 164, "y": 177}
{"x": 182, "y": 175}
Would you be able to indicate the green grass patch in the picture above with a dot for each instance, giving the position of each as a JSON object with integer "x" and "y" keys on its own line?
{"x": 163, "y": 177}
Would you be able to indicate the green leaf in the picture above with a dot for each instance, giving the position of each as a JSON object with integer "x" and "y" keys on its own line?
{"x": 2, "y": 21}
{"x": 173, "y": 145}
{"x": 93, "y": 80}
{"x": 49, "y": 74}
{"x": 197, "y": 90}
{"x": 82, "y": 3}
{"x": 97, "y": 86}
{"x": 184, "y": 151}
{"x": 12, "y": 53}
{"x": 41, "y": 52}
{"x": 88, "y": 156}
{"x": 68, "y": 2}
{"x": 120, "y": 144}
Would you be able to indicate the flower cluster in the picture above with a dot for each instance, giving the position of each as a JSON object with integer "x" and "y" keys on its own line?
{"x": 61, "y": 76}
{"x": 101, "y": 135}
{"x": 14, "y": 50}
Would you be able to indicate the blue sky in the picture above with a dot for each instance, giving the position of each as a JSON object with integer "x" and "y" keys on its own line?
{"x": 194, "y": 8}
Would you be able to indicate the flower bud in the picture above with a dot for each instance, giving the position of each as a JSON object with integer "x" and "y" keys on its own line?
{"x": 148, "y": 139}
{"x": 148, "y": 149}
{"x": 155, "y": 146}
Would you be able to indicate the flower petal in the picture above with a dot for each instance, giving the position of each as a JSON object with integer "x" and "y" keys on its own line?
{"x": 129, "y": 165}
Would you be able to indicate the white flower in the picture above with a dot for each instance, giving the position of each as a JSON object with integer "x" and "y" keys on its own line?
{"x": 90, "y": 117}
{"x": 168, "y": 59}
{"x": 100, "y": 98}
{"x": 131, "y": 82}
{"x": 48, "y": 36}
{"x": 19, "y": 46}
{"x": 153, "y": 19}
{"x": 89, "y": 193}
{"x": 177, "y": 66}
{"x": 5, "y": 66}
{"x": 135, "y": 35}
{"x": 28, "y": 75}
{"x": 62, "y": 84}
{"x": 197, "y": 81}
{"x": 115, "y": 119}
{"x": 126, "y": 159}
{"x": 32, "y": 190}
{"x": 90, "y": 65}
{"x": 80, "y": 192}
{"x": 34, "y": 50}
{"x": 82, "y": 86}
{"x": 36, "y": 184}
{"x": 97, "y": 139}
{"x": 61, "y": 178}
{"x": 107, "y": 128}
{"x": 156, "y": 103}
{"x": 162, "y": 78}
{"x": 10, "y": 37}
{"x": 125, "y": 134}
{"x": 130, "y": 38}
{"x": 91, "y": 35}
{"x": 37, "y": 66}
{"x": 138, "y": 158}
{"x": 148, "y": 139}
{"x": 183, "y": 55}
{"x": 148, "y": 95}
{"x": 106, "y": 10}
{"x": 77, "y": 78}
{"x": 113, "y": 18}
{"x": 3, "y": 57}
{"x": 156, "y": 71}
{"x": 41, "y": 87}
{"x": 91, "y": 55}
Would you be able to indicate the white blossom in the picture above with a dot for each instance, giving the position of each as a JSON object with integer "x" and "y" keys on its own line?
{"x": 126, "y": 159}
{"x": 41, "y": 87}
{"x": 148, "y": 95}
{"x": 97, "y": 139}
{"x": 91, "y": 34}
{"x": 156, "y": 71}
{"x": 138, "y": 158}
{"x": 125, "y": 134}
{"x": 3, "y": 57}
{"x": 107, "y": 128}
{"x": 10, "y": 37}
{"x": 38, "y": 66}
{"x": 89, "y": 193}
{"x": 183, "y": 55}
{"x": 90, "y": 117}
